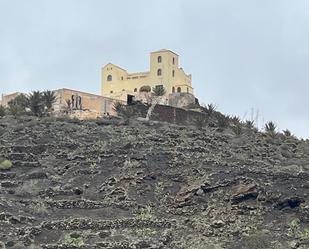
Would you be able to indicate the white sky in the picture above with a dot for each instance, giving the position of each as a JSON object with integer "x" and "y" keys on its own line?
{"x": 243, "y": 54}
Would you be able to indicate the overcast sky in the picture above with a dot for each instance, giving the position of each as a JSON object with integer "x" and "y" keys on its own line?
{"x": 243, "y": 54}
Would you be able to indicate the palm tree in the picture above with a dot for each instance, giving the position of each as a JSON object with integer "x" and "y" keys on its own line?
{"x": 36, "y": 103}
{"x": 158, "y": 91}
{"x": 49, "y": 99}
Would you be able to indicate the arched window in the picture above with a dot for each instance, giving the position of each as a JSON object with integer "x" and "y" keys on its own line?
{"x": 173, "y": 89}
{"x": 159, "y": 59}
{"x": 179, "y": 89}
{"x": 135, "y": 90}
{"x": 174, "y": 60}
{"x": 173, "y": 73}
{"x": 159, "y": 72}
{"x": 109, "y": 78}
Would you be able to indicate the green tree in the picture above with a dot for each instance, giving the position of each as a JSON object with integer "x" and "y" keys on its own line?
{"x": 18, "y": 105}
{"x": 36, "y": 103}
{"x": 2, "y": 111}
{"x": 145, "y": 88}
{"x": 49, "y": 99}
{"x": 159, "y": 92}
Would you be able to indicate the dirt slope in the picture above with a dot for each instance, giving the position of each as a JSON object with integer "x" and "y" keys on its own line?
{"x": 90, "y": 185}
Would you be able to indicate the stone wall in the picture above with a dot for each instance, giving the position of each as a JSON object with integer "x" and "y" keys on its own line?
{"x": 170, "y": 114}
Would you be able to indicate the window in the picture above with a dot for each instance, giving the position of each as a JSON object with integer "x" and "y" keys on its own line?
{"x": 179, "y": 89}
{"x": 173, "y": 73}
{"x": 173, "y": 89}
{"x": 109, "y": 78}
{"x": 111, "y": 91}
{"x": 121, "y": 77}
{"x": 159, "y": 59}
{"x": 159, "y": 72}
{"x": 174, "y": 60}
{"x": 135, "y": 90}
{"x": 187, "y": 89}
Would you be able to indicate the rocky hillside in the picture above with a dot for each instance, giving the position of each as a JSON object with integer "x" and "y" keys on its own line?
{"x": 103, "y": 184}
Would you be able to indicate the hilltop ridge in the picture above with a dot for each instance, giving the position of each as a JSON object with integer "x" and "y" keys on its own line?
{"x": 107, "y": 184}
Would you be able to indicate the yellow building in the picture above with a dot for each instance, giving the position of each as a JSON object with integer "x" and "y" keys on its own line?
{"x": 164, "y": 70}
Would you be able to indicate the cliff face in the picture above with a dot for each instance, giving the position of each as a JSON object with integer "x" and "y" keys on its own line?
{"x": 87, "y": 184}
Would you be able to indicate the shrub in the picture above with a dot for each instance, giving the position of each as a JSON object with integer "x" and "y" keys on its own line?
{"x": 74, "y": 240}
{"x": 6, "y": 164}
{"x": 2, "y": 245}
{"x": 18, "y": 105}
{"x": 270, "y": 129}
{"x": 145, "y": 88}
{"x": 210, "y": 109}
{"x": 237, "y": 129}
{"x": 200, "y": 122}
{"x": 126, "y": 112}
{"x": 2, "y": 111}
{"x": 249, "y": 124}
{"x": 235, "y": 120}
{"x": 223, "y": 121}
{"x": 287, "y": 133}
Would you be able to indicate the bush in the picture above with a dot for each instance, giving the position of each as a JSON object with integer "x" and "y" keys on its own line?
{"x": 74, "y": 240}
{"x": 6, "y": 164}
{"x": 210, "y": 109}
{"x": 249, "y": 124}
{"x": 18, "y": 105}
{"x": 2, "y": 111}
{"x": 223, "y": 121}
{"x": 200, "y": 122}
{"x": 287, "y": 133}
{"x": 270, "y": 129}
{"x": 126, "y": 112}
{"x": 146, "y": 89}
{"x": 2, "y": 245}
{"x": 237, "y": 129}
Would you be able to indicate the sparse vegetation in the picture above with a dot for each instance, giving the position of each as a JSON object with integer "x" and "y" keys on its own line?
{"x": 6, "y": 164}
{"x": 75, "y": 240}
{"x": 18, "y": 105}
{"x": 237, "y": 129}
{"x": 287, "y": 133}
{"x": 223, "y": 121}
{"x": 210, "y": 109}
{"x": 270, "y": 129}
{"x": 2, "y": 245}
{"x": 200, "y": 122}
{"x": 124, "y": 111}
{"x": 295, "y": 230}
{"x": 249, "y": 124}
{"x": 2, "y": 111}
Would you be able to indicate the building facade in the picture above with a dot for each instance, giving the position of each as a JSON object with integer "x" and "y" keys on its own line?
{"x": 164, "y": 70}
